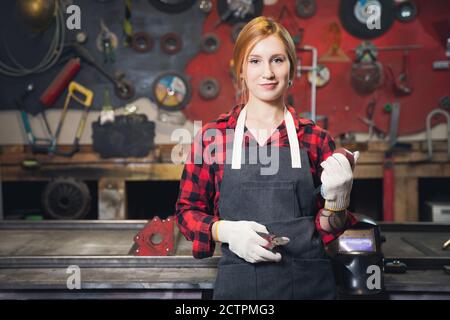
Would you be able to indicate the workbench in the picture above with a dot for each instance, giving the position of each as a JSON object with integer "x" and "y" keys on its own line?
{"x": 410, "y": 166}
{"x": 35, "y": 257}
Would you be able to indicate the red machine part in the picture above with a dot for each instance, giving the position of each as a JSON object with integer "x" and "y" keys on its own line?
{"x": 156, "y": 238}
{"x": 61, "y": 81}
{"x": 388, "y": 188}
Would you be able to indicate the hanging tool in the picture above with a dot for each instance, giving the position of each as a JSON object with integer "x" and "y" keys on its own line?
{"x": 88, "y": 96}
{"x": 107, "y": 43}
{"x": 401, "y": 82}
{"x": 34, "y": 142}
{"x": 395, "y": 118}
{"x": 394, "y": 145}
{"x": 57, "y": 86}
{"x": 389, "y": 164}
{"x": 127, "y": 26}
{"x": 122, "y": 88}
{"x": 428, "y": 125}
{"x": 370, "y": 110}
{"x": 81, "y": 124}
{"x": 366, "y": 72}
{"x": 388, "y": 187}
{"x": 372, "y": 126}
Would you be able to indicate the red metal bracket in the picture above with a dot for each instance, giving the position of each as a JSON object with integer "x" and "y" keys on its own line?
{"x": 155, "y": 239}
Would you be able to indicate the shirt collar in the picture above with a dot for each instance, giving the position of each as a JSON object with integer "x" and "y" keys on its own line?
{"x": 231, "y": 117}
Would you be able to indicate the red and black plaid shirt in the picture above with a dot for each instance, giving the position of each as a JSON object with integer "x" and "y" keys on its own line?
{"x": 197, "y": 206}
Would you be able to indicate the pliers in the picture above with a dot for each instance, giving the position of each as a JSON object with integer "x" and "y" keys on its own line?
{"x": 273, "y": 240}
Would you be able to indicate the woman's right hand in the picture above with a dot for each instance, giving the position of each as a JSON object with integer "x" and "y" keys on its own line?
{"x": 243, "y": 240}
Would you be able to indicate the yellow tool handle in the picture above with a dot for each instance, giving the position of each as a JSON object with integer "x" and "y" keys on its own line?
{"x": 88, "y": 94}
{"x": 80, "y": 128}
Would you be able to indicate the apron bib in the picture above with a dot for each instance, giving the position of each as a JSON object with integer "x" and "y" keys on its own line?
{"x": 284, "y": 202}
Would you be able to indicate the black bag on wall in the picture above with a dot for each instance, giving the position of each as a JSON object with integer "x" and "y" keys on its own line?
{"x": 128, "y": 136}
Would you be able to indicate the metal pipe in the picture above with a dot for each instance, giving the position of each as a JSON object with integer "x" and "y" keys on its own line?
{"x": 312, "y": 68}
{"x": 429, "y": 140}
{"x": 12, "y": 262}
{"x": 74, "y": 225}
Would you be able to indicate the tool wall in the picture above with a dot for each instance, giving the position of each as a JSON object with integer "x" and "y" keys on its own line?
{"x": 164, "y": 42}
{"x": 338, "y": 99}
{"x": 402, "y": 57}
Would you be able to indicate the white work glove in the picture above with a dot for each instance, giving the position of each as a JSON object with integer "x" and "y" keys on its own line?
{"x": 243, "y": 240}
{"x": 337, "y": 181}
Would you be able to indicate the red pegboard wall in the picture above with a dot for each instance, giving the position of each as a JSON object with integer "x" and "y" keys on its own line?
{"x": 337, "y": 99}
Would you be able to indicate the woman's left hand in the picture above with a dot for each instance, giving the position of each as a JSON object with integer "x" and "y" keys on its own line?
{"x": 337, "y": 181}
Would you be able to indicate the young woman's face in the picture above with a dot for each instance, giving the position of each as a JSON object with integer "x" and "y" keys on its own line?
{"x": 267, "y": 73}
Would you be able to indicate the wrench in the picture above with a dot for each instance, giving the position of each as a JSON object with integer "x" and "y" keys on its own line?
{"x": 122, "y": 88}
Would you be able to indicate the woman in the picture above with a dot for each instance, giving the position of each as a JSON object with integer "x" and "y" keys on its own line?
{"x": 233, "y": 202}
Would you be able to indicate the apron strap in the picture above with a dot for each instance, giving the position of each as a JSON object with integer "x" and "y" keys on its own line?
{"x": 293, "y": 139}
{"x": 239, "y": 137}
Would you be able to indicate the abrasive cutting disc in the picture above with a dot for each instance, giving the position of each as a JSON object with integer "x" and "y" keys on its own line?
{"x": 171, "y": 91}
{"x": 358, "y": 18}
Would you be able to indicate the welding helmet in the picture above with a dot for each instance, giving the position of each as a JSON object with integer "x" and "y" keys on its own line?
{"x": 357, "y": 258}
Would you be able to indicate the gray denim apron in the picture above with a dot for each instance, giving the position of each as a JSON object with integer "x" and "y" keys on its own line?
{"x": 284, "y": 203}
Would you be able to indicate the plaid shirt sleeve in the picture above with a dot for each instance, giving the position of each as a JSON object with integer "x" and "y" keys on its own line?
{"x": 195, "y": 205}
{"x": 324, "y": 151}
